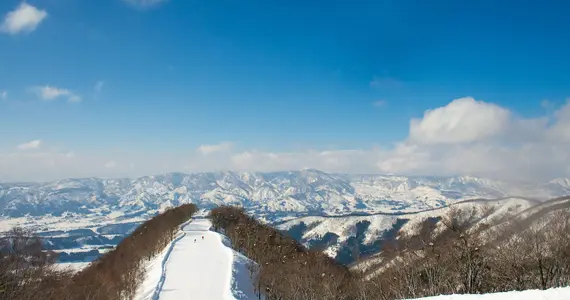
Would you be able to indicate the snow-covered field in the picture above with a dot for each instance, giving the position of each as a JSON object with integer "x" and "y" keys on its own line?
{"x": 551, "y": 294}
{"x": 198, "y": 269}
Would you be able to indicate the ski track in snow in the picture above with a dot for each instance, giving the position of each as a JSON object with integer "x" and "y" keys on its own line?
{"x": 205, "y": 269}
{"x": 154, "y": 273}
{"x": 163, "y": 267}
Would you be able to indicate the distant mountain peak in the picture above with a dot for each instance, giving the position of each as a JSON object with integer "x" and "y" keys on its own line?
{"x": 306, "y": 190}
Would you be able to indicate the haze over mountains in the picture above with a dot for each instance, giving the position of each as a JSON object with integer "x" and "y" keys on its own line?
{"x": 275, "y": 194}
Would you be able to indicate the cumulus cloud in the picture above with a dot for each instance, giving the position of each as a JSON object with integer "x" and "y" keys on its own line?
{"x": 48, "y": 92}
{"x": 462, "y": 120}
{"x": 35, "y": 144}
{"x": 24, "y": 19}
{"x": 210, "y": 149}
{"x": 464, "y": 137}
{"x": 560, "y": 130}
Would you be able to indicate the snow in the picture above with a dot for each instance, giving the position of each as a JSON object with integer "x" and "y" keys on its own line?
{"x": 345, "y": 227}
{"x": 154, "y": 272}
{"x": 200, "y": 270}
{"x": 65, "y": 222}
{"x": 285, "y": 192}
{"x": 502, "y": 207}
{"x": 551, "y": 294}
{"x": 73, "y": 266}
{"x": 242, "y": 286}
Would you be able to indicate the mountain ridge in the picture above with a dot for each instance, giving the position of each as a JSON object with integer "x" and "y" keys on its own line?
{"x": 306, "y": 191}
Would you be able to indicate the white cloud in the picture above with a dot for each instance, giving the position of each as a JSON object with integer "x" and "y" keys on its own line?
{"x": 560, "y": 130}
{"x": 546, "y": 104}
{"x": 489, "y": 141}
{"x": 25, "y": 18}
{"x": 463, "y": 120}
{"x": 48, "y": 92}
{"x": 210, "y": 149}
{"x": 379, "y": 103}
{"x": 31, "y": 145}
{"x": 144, "y": 3}
{"x": 464, "y": 137}
{"x": 3, "y": 94}
{"x": 74, "y": 98}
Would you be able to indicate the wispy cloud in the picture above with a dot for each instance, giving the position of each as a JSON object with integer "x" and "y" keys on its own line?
{"x": 144, "y": 3}
{"x": 48, "y": 92}
{"x": 24, "y": 19}
{"x": 547, "y": 104}
{"x": 3, "y": 94}
{"x": 210, "y": 149}
{"x": 385, "y": 82}
{"x": 31, "y": 145}
{"x": 74, "y": 98}
{"x": 379, "y": 103}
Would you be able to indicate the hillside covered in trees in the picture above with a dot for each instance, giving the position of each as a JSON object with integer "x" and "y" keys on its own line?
{"x": 453, "y": 254}
{"x": 448, "y": 255}
{"x": 27, "y": 272}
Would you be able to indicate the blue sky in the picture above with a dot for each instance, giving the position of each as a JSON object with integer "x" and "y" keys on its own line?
{"x": 269, "y": 77}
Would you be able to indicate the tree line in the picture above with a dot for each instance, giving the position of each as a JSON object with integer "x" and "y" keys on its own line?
{"x": 27, "y": 272}
{"x": 464, "y": 251}
{"x": 284, "y": 268}
{"x": 459, "y": 255}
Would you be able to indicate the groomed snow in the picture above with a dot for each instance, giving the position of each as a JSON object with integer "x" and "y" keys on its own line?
{"x": 199, "y": 270}
{"x": 551, "y": 294}
{"x": 153, "y": 273}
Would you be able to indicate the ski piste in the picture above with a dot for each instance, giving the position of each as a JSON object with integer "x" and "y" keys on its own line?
{"x": 199, "y": 266}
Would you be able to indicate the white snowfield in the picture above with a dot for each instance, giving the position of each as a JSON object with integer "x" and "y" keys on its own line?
{"x": 198, "y": 269}
{"x": 551, "y": 294}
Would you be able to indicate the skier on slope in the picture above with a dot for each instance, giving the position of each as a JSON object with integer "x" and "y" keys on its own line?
{"x": 202, "y": 237}
{"x": 194, "y": 240}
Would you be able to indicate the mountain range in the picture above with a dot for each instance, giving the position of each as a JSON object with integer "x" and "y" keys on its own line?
{"x": 273, "y": 195}
{"x": 83, "y": 218}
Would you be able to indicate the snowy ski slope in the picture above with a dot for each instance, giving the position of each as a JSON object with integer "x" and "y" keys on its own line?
{"x": 551, "y": 294}
{"x": 209, "y": 270}
{"x": 199, "y": 270}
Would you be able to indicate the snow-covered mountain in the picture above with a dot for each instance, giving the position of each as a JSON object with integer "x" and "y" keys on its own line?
{"x": 84, "y": 217}
{"x": 338, "y": 235}
{"x": 305, "y": 192}
{"x": 308, "y": 192}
